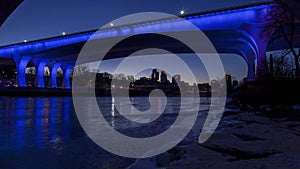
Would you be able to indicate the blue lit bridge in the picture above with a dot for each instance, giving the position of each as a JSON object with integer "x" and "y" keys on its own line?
{"x": 233, "y": 30}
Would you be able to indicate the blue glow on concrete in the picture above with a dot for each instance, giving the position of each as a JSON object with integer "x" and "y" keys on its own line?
{"x": 39, "y": 46}
{"x": 229, "y": 45}
{"x": 233, "y": 36}
{"x": 251, "y": 41}
{"x": 40, "y": 73}
{"x": 53, "y": 75}
{"x": 125, "y": 31}
{"x": 227, "y": 19}
{"x": 67, "y": 74}
{"x": 106, "y": 34}
{"x": 21, "y": 64}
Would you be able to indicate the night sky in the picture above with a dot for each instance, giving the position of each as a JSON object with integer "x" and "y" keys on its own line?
{"x": 36, "y": 19}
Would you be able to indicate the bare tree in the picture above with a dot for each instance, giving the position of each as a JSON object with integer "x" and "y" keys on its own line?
{"x": 84, "y": 75}
{"x": 59, "y": 72}
{"x": 46, "y": 73}
{"x": 81, "y": 70}
{"x": 281, "y": 67}
{"x": 31, "y": 71}
{"x": 284, "y": 23}
{"x": 120, "y": 76}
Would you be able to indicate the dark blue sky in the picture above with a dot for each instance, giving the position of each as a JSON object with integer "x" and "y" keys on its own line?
{"x": 36, "y": 19}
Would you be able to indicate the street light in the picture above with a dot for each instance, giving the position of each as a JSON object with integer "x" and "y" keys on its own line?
{"x": 111, "y": 24}
{"x": 182, "y": 12}
{"x": 63, "y": 33}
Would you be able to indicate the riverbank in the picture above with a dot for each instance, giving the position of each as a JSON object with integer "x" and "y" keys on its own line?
{"x": 274, "y": 92}
{"x": 44, "y": 92}
{"x": 264, "y": 138}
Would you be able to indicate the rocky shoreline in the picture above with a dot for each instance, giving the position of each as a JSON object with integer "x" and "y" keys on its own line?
{"x": 267, "y": 137}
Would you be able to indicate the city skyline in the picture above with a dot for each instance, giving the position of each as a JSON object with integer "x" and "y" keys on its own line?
{"x": 165, "y": 79}
{"x": 238, "y": 71}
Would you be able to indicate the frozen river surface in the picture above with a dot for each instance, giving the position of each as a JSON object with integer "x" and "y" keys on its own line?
{"x": 44, "y": 132}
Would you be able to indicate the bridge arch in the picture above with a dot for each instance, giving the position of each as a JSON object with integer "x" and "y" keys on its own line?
{"x": 53, "y": 68}
{"x": 21, "y": 65}
{"x": 67, "y": 75}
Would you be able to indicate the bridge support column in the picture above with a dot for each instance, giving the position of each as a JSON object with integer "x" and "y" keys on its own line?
{"x": 53, "y": 69}
{"x": 261, "y": 40}
{"x": 66, "y": 80}
{"x": 21, "y": 64}
{"x": 36, "y": 83}
{"x": 262, "y": 65}
{"x": 36, "y": 63}
{"x": 40, "y": 73}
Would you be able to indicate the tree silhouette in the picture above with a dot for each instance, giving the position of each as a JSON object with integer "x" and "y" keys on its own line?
{"x": 280, "y": 67}
{"x": 284, "y": 23}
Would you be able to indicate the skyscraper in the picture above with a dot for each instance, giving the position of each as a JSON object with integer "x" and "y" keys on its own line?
{"x": 175, "y": 79}
{"x": 235, "y": 83}
{"x": 163, "y": 77}
{"x": 228, "y": 82}
{"x": 155, "y": 75}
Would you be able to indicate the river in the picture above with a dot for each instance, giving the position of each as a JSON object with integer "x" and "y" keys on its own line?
{"x": 44, "y": 132}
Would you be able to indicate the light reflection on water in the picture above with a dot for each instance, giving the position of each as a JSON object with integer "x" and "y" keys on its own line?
{"x": 39, "y": 123}
{"x": 31, "y": 123}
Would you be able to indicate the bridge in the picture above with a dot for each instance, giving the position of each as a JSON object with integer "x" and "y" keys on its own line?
{"x": 235, "y": 30}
